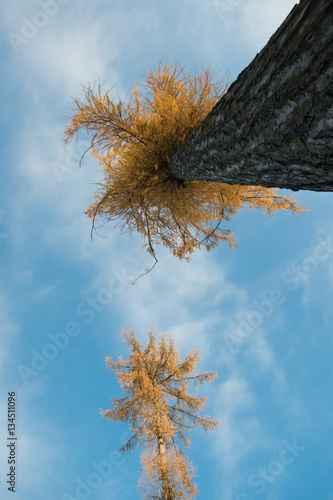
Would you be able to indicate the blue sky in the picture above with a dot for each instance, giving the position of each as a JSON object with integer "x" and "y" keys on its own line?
{"x": 260, "y": 315}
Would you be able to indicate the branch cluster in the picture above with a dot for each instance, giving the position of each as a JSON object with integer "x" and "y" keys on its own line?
{"x": 134, "y": 143}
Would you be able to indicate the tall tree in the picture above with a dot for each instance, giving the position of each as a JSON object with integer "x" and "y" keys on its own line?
{"x": 160, "y": 412}
{"x": 134, "y": 143}
{"x": 274, "y": 126}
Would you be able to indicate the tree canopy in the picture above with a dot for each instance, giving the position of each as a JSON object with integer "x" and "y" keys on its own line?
{"x": 160, "y": 411}
{"x": 134, "y": 143}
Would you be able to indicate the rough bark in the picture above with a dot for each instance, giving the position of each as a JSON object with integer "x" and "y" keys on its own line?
{"x": 274, "y": 126}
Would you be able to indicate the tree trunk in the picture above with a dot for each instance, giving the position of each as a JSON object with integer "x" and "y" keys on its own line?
{"x": 274, "y": 126}
{"x": 164, "y": 475}
{"x": 166, "y": 493}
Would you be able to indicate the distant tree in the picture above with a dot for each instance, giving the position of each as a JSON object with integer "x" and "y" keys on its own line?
{"x": 134, "y": 143}
{"x": 274, "y": 126}
{"x": 160, "y": 412}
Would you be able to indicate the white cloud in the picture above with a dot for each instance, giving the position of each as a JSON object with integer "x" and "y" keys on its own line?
{"x": 240, "y": 431}
{"x": 251, "y": 21}
{"x": 40, "y": 451}
{"x": 84, "y": 62}
{"x": 40, "y": 447}
{"x": 261, "y": 18}
{"x": 175, "y": 293}
{"x": 75, "y": 47}
{"x": 234, "y": 395}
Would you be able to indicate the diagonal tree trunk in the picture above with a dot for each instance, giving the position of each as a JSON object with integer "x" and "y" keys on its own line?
{"x": 274, "y": 126}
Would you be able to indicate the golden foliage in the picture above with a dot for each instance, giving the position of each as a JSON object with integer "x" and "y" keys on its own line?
{"x": 179, "y": 476}
{"x": 134, "y": 143}
{"x": 160, "y": 412}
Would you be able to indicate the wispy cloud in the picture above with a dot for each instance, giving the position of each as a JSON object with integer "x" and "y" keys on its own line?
{"x": 241, "y": 431}
{"x": 40, "y": 447}
{"x": 260, "y": 19}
